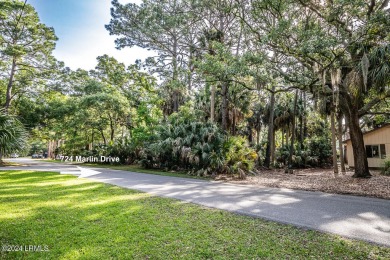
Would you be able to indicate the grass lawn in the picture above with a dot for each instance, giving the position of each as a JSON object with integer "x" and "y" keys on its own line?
{"x": 81, "y": 219}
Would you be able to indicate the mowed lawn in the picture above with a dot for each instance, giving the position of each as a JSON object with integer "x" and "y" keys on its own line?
{"x": 81, "y": 219}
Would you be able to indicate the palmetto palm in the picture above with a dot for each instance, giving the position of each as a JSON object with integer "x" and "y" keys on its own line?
{"x": 13, "y": 136}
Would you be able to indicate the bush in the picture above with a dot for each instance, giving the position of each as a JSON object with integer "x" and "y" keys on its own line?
{"x": 125, "y": 149}
{"x": 239, "y": 157}
{"x": 317, "y": 153}
{"x": 386, "y": 168}
{"x": 201, "y": 148}
{"x": 188, "y": 145}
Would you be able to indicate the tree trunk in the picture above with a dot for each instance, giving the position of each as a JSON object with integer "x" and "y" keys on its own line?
{"x": 112, "y": 135}
{"x": 350, "y": 112}
{"x": 287, "y": 134}
{"x": 358, "y": 148}
{"x": 175, "y": 77}
{"x": 340, "y": 137}
{"x": 334, "y": 151}
{"x": 212, "y": 104}
{"x": 250, "y": 135}
{"x": 112, "y": 128}
{"x": 92, "y": 141}
{"x": 175, "y": 101}
{"x": 49, "y": 151}
{"x": 190, "y": 68}
{"x": 293, "y": 131}
{"x": 8, "y": 95}
{"x": 104, "y": 138}
{"x": 224, "y": 105}
{"x": 301, "y": 127}
{"x": 304, "y": 118}
{"x": 273, "y": 147}
{"x": 234, "y": 122}
{"x": 258, "y": 130}
{"x": 270, "y": 139}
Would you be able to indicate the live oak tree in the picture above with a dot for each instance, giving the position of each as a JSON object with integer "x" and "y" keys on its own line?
{"x": 26, "y": 46}
{"x": 319, "y": 38}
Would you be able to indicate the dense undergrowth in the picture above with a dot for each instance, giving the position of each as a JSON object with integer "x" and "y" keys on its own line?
{"x": 186, "y": 143}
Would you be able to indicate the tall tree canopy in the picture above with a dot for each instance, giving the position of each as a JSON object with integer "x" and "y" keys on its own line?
{"x": 330, "y": 48}
{"x": 273, "y": 72}
{"x": 26, "y": 47}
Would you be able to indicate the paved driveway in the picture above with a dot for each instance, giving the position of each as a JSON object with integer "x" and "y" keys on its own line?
{"x": 350, "y": 216}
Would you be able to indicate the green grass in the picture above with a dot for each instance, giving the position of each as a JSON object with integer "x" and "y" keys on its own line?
{"x": 81, "y": 219}
{"x": 136, "y": 168}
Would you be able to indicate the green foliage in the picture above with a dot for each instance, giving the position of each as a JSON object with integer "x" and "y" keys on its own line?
{"x": 201, "y": 148}
{"x": 211, "y": 58}
{"x": 125, "y": 149}
{"x": 189, "y": 145}
{"x": 26, "y": 48}
{"x": 37, "y": 146}
{"x": 317, "y": 151}
{"x": 238, "y": 155}
{"x": 386, "y": 168}
{"x": 13, "y": 136}
{"x": 103, "y": 109}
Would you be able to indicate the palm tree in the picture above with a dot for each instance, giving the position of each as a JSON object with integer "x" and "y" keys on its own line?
{"x": 13, "y": 136}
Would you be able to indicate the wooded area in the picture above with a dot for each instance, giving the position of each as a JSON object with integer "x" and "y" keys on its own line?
{"x": 235, "y": 84}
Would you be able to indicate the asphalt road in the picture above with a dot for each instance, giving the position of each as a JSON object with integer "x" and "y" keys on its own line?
{"x": 349, "y": 216}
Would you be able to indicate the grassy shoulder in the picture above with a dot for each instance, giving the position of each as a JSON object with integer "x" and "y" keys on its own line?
{"x": 7, "y": 164}
{"x": 136, "y": 168}
{"x": 80, "y": 219}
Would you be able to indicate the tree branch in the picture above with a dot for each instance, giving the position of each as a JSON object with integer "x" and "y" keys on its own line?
{"x": 366, "y": 108}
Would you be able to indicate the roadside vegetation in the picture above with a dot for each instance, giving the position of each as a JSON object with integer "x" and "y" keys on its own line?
{"x": 236, "y": 88}
{"x": 386, "y": 168}
{"x": 226, "y": 93}
{"x": 13, "y": 136}
{"x": 78, "y": 219}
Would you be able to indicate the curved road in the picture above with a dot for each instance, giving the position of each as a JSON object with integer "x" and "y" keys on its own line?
{"x": 349, "y": 216}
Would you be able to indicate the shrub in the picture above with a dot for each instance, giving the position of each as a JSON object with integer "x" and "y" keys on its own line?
{"x": 238, "y": 155}
{"x": 188, "y": 145}
{"x": 386, "y": 168}
{"x": 317, "y": 153}
{"x": 201, "y": 148}
{"x": 125, "y": 149}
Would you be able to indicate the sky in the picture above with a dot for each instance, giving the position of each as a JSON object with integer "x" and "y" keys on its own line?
{"x": 79, "y": 25}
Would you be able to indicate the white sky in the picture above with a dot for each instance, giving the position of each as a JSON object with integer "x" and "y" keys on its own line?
{"x": 79, "y": 25}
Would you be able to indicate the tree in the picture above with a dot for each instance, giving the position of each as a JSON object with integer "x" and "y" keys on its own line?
{"x": 161, "y": 26}
{"x": 315, "y": 38}
{"x": 271, "y": 132}
{"x": 25, "y": 46}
